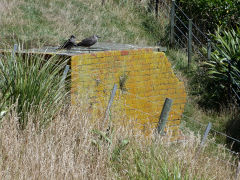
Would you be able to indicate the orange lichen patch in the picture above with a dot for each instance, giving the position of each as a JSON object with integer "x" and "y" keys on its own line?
{"x": 144, "y": 80}
{"x": 124, "y": 53}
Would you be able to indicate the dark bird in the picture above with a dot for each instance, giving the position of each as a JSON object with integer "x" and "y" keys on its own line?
{"x": 71, "y": 42}
{"x": 89, "y": 41}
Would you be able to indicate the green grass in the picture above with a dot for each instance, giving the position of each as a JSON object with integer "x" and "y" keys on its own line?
{"x": 148, "y": 164}
{"x": 50, "y": 22}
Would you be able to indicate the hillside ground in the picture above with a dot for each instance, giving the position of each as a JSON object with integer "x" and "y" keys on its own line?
{"x": 66, "y": 150}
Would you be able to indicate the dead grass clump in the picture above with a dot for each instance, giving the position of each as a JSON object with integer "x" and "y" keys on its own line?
{"x": 74, "y": 148}
{"x": 63, "y": 150}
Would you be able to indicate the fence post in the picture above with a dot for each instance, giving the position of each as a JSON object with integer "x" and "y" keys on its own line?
{"x": 156, "y": 8}
{"x": 172, "y": 23}
{"x": 15, "y": 48}
{"x": 65, "y": 72}
{"x": 238, "y": 170}
{"x": 204, "y": 138}
{"x": 164, "y": 115}
{"x": 205, "y": 134}
{"x": 110, "y": 101}
{"x": 209, "y": 49}
{"x": 189, "y": 42}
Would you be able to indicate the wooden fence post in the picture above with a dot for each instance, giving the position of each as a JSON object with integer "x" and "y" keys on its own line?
{"x": 65, "y": 72}
{"x": 209, "y": 49}
{"x": 189, "y": 42}
{"x": 15, "y": 48}
{"x": 110, "y": 101}
{"x": 204, "y": 138}
{"x": 172, "y": 23}
{"x": 205, "y": 134}
{"x": 164, "y": 116}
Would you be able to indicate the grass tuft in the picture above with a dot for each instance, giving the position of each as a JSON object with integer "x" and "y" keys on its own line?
{"x": 33, "y": 84}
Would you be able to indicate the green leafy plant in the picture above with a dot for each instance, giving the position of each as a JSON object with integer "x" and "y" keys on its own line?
{"x": 32, "y": 83}
{"x": 212, "y": 81}
{"x": 223, "y": 68}
{"x": 227, "y": 50}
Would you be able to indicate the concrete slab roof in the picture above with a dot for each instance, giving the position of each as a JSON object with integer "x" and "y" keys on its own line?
{"x": 100, "y": 46}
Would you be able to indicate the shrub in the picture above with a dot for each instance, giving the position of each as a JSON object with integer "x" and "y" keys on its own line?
{"x": 208, "y": 14}
{"x": 212, "y": 80}
{"x": 33, "y": 84}
{"x": 226, "y": 55}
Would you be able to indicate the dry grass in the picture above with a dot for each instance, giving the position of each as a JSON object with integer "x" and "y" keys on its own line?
{"x": 63, "y": 150}
{"x": 69, "y": 149}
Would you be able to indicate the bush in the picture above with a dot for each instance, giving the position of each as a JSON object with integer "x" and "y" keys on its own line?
{"x": 33, "y": 84}
{"x": 226, "y": 55}
{"x": 212, "y": 81}
{"x": 208, "y": 14}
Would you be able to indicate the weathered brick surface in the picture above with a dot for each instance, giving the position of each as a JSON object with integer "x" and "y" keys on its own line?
{"x": 149, "y": 80}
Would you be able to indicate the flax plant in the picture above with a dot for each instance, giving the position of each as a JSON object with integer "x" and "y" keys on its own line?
{"x": 226, "y": 51}
{"x": 222, "y": 71}
{"x": 32, "y": 83}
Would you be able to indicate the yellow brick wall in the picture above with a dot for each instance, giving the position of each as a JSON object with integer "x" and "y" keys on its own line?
{"x": 149, "y": 79}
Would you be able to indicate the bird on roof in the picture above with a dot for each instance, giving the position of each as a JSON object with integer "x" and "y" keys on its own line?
{"x": 89, "y": 41}
{"x": 71, "y": 42}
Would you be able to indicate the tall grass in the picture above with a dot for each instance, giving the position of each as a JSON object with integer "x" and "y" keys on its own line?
{"x": 33, "y": 84}
{"x": 71, "y": 147}
{"x": 67, "y": 149}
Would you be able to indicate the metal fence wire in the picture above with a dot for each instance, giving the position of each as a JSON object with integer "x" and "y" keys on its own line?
{"x": 187, "y": 35}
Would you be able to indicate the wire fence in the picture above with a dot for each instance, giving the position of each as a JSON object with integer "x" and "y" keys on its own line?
{"x": 222, "y": 147}
{"x": 228, "y": 155}
{"x": 185, "y": 31}
{"x": 213, "y": 131}
{"x": 187, "y": 35}
{"x": 184, "y": 118}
